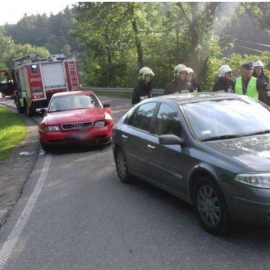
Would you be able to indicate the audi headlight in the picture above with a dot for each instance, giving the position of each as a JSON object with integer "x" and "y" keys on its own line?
{"x": 100, "y": 124}
{"x": 51, "y": 128}
{"x": 260, "y": 180}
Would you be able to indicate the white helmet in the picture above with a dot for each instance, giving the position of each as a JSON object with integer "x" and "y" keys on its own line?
{"x": 190, "y": 70}
{"x": 223, "y": 69}
{"x": 258, "y": 64}
{"x": 145, "y": 71}
{"x": 179, "y": 68}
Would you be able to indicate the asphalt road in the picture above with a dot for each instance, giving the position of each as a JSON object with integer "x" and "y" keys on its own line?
{"x": 75, "y": 214}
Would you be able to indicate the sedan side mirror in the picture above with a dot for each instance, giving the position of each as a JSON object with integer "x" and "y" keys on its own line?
{"x": 42, "y": 110}
{"x": 170, "y": 139}
{"x": 107, "y": 107}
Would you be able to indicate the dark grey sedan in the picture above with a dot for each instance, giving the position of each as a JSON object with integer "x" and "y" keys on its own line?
{"x": 211, "y": 149}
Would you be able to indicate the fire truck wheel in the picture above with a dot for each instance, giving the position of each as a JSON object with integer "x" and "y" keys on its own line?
{"x": 20, "y": 109}
{"x": 46, "y": 147}
{"x": 28, "y": 111}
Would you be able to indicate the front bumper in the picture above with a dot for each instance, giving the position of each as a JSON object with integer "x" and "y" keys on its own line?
{"x": 93, "y": 135}
{"x": 248, "y": 204}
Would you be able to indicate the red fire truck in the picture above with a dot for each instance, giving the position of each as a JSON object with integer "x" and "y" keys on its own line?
{"x": 35, "y": 80}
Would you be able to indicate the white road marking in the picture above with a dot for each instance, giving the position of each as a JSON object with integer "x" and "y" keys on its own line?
{"x": 18, "y": 228}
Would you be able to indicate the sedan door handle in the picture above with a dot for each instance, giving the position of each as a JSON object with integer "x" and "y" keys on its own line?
{"x": 151, "y": 146}
{"x": 124, "y": 137}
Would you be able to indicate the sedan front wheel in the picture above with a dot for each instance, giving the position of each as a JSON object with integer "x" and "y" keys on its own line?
{"x": 211, "y": 207}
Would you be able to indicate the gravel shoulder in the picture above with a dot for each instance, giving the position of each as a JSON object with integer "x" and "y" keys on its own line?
{"x": 15, "y": 170}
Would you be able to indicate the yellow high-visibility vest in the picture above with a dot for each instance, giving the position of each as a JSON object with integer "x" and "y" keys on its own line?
{"x": 251, "y": 88}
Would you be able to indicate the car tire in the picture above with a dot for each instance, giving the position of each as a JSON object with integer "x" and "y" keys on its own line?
{"x": 210, "y": 207}
{"x": 121, "y": 167}
{"x": 46, "y": 147}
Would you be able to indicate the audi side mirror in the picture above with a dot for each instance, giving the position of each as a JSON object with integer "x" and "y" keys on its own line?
{"x": 107, "y": 107}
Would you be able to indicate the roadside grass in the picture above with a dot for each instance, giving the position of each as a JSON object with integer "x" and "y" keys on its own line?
{"x": 116, "y": 94}
{"x": 12, "y": 131}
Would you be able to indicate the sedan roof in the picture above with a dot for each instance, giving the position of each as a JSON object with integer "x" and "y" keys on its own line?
{"x": 203, "y": 96}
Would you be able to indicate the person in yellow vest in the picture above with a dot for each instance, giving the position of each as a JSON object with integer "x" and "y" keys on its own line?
{"x": 251, "y": 86}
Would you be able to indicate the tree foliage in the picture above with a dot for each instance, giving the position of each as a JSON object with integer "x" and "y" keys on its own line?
{"x": 113, "y": 40}
{"x": 11, "y": 51}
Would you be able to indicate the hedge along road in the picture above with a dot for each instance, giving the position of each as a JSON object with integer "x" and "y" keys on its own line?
{"x": 75, "y": 214}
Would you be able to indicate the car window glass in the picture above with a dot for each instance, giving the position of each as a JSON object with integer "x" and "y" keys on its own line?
{"x": 141, "y": 118}
{"x": 86, "y": 102}
{"x": 73, "y": 102}
{"x": 167, "y": 121}
{"x": 226, "y": 117}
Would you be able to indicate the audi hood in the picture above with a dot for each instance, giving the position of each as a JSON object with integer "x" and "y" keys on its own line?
{"x": 74, "y": 116}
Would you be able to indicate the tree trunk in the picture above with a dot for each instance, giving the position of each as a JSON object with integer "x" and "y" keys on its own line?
{"x": 137, "y": 38}
{"x": 198, "y": 64}
{"x": 177, "y": 51}
{"x": 138, "y": 45}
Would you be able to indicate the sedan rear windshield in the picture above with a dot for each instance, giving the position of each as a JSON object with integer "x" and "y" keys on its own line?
{"x": 73, "y": 102}
{"x": 227, "y": 118}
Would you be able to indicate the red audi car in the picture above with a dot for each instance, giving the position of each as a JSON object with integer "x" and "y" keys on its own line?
{"x": 75, "y": 117}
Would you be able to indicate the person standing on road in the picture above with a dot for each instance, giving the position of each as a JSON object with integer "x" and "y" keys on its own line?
{"x": 178, "y": 84}
{"x": 144, "y": 89}
{"x": 225, "y": 82}
{"x": 192, "y": 84}
{"x": 259, "y": 71}
{"x": 251, "y": 86}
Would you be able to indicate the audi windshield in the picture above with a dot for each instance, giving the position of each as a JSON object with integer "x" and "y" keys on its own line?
{"x": 73, "y": 102}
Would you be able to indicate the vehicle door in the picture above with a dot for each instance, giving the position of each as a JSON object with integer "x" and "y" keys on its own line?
{"x": 166, "y": 164}
{"x": 134, "y": 135}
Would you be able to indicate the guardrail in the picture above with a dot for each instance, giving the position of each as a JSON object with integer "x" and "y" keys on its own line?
{"x": 119, "y": 90}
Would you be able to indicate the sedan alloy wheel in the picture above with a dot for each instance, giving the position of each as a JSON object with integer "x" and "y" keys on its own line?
{"x": 211, "y": 207}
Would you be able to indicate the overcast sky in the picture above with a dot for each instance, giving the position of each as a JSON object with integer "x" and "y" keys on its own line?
{"x": 12, "y": 11}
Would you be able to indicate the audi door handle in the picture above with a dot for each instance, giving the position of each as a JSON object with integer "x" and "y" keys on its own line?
{"x": 151, "y": 146}
{"x": 124, "y": 137}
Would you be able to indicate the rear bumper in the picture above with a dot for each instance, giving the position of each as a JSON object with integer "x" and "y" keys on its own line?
{"x": 100, "y": 135}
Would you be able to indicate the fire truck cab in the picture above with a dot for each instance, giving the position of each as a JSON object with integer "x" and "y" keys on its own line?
{"x": 35, "y": 80}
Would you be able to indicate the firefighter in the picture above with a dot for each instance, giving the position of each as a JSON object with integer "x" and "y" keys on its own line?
{"x": 251, "y": 86}
{"x": 259, "y": 71}
{"x": 144, "y": 89}
{"x": 192, "y": 84}
{"x": 225, "y": 82}
{"x": 178, "y": 84}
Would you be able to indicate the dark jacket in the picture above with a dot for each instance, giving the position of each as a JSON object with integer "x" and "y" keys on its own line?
{"x": 223, "y": 85}
{"x": 175, "y": 87}
{"x": 263, "y": 77}
{"x": 141, "y": 91}
{"x": 194, "y": 86}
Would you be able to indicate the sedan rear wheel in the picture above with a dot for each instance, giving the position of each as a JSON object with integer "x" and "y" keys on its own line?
{"x": 121, "y": 167}
{"x": 211, "y": 207}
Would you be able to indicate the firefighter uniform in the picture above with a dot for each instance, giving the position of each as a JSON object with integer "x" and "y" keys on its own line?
{"x": 224, "y": 83}
{"x": 144, "y": 89}
{"x": 176, "y": 87}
